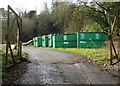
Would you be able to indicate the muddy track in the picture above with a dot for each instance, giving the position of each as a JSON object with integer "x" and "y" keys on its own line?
{"x": 57, "y": 67}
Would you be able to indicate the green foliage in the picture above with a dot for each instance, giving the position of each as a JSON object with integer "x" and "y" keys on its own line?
{"x": 104, "y": 13}
{"x": 66, "y": 17}
{"x": 59, "y": 16}
{"x": 45, "y": 23}
{"x": 31, "y": 14}
{"x": 9, "y": 60}
{"x": 4, "y": 72}
{"x": 98, "y": 55}
{"x": 27, "y": 31}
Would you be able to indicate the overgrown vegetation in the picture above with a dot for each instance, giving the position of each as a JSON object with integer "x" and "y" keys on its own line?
{"x": 69, "y": 17}
{"x": 9, "y": 61}
{"x": 98, "y": 55}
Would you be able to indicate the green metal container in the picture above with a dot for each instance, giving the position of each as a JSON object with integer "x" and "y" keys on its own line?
{"x": 69, "y": 40}
{"x": 45, "y": 41}
{"x": 58, "y": 38}
{"x": 87, "y": 36}
{"x": 65, "y": 41}
{"x": 35, "y": 41}
{"x": 91, "y": 44}
{"x": 39, "y": 42}
{"x": 57, "y": 44}
{"x": 57, "y": 41}
{"x": 69, "y": 37}
{"x": 70, "y": 44}
{"x": 50, "y": 40}
{"x": 91, "y": 39}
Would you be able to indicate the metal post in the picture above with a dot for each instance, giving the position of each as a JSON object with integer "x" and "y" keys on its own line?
{"x": 20, "y": 40}
{"x": 17, "y": 38}
{"x": 11, "y": 53}
{"x": 110, "y": 39}
{"x": 7, "y": 35}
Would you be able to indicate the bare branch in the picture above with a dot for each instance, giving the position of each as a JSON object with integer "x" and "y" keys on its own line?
{"x": 101, "y": 6}
{"x": 113, "y": 25}
{"x": 105, "y": 8}
{"x": 94, "y": 9}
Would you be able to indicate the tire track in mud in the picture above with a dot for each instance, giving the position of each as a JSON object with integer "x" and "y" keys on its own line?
{"x": 56, "y": 67}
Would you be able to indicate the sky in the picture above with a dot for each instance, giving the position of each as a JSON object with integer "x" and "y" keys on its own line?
{"x": 27, "y": 5}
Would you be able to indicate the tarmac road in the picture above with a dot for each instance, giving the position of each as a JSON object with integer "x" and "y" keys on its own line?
{"x": 56, "y": 67}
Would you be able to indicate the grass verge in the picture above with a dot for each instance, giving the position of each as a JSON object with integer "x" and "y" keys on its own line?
{"x": 98, "y": 55}
{"x": 9, "y": 61}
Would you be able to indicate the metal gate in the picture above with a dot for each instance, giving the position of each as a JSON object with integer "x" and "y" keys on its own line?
{"x": 16, "y": 20}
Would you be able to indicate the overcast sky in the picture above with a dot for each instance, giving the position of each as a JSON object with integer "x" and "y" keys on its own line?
{"x": 28, "y": 5}
{"x": 25, "y": 4}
